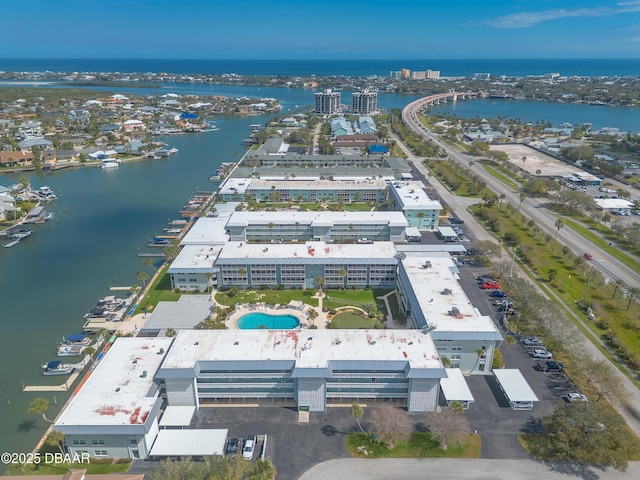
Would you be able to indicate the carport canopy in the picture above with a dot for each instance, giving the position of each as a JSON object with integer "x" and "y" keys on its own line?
{"x": 412, "y": 232}
{"x": 177, "y": 416}
{"x": 183, "y": 443}
{"x": 447, "y": 232}
{"x": 455, "y": 388}
{"x": 516, "y": 388}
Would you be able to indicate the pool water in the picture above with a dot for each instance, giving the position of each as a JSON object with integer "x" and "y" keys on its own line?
{"x": 255, "y": 321}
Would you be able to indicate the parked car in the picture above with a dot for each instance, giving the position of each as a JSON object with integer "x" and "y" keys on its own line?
{"x": 232, "y": 446}
{"x": 497, "y": 294}
{"x": 541, "y": 353}
{"x": 491, "y": 285}
{"x": 588, "y": 256}
{"x": 249, "y": 446}
{"x": 576, "y": 397}
{"x": 550, "y": 366}
{"x": 364, "y": 240}
{"x": 531, "y": 341}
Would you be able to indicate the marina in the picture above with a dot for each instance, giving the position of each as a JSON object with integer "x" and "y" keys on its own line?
{"x": 56, "y": 367}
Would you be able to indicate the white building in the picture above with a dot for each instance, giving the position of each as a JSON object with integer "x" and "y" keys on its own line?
{"x": 313, "y": 368}
{"x": 365, "y": 102}
{"x": 432, "y": 298}
{"x": 327, "y": 102}
{"x": 411, "y": 199}
{"x": 115, "y": 413}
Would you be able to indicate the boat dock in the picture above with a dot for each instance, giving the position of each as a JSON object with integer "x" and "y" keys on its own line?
{"x": 60, "y": 388}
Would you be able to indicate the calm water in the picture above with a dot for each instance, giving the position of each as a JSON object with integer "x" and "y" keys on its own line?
{"x": 447, "y": 67}
{"x": 256, "y": 321}
{"x": 104, "y": 218}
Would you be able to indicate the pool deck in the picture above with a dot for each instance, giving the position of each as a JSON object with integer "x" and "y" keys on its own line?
{"x": 302, "y": 316}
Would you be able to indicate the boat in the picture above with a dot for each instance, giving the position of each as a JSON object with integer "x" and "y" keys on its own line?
{"x": 11, "y": 243}
{"x": 48, "y": 216}
{"x": 20, "y": 234}
{"x": 173, "y": 150}
{"x": 110, "y": 163}
{"x": 80, "y": 339}
{"x": 71, "y": 350}
{"x": 56, "y": 367}
{"x": 45, "y": 194}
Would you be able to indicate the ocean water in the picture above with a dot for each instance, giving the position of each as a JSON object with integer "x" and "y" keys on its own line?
{"x": 447, "y": 67}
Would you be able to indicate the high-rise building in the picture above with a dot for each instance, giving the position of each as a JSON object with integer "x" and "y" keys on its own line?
{"x": 365, "y": 102}
{"x": 327, "y": 102}
{"x": 432, "y": 74}
{"x": 405, "y": 73}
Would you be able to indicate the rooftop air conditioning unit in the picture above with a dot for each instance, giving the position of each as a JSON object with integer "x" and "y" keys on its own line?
{"x": 455, "y": 311}
{"x": 427, "y": 264}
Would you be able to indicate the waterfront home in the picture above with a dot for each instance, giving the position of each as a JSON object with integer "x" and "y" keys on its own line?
{"x": 16, "y": 159}
{"x": 29, "y": 143}
{"x": 133, "y": 125}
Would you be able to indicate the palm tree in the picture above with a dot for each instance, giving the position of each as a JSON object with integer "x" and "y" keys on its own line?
{"x": 522, "y": 199}
{"x": 149, "y": 263}
{"x": 633, "y": 293}
{"x": 502, "y": 197}
{"x": 243, "y": 272}
{"x": 619, "y": 283}
{"x": 319, "y": 281}
{"x": 343, "y": 273}
{"x": 90, "y": 350}
{"x": 55, "y": 439}
{"x": 479, "y": 353}
{"x": 40, "y": 406}
{"x": 559, "y": 224}
{"x": 456, "y": 407}
{"x": 143, "y": 277}
{"x": 356, "y": 411}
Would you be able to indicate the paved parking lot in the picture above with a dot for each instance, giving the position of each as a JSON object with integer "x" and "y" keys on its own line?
{"x": 292, "y": 447}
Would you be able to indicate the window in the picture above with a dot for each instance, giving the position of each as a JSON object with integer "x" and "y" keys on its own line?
{"x": 455, "y": 357}
{"x": 100, "y": 453}
{"x": 133, "y": 441}
{"x": 79, "y": 442}
{"x": 456, "y": 349}
{"x": 97, "y": 442}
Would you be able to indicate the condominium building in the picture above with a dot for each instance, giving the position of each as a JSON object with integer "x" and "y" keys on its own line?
{"x": 411, "y": 199}
{"x": 365, "y": 102}
{"x": 434, "y": 301}
{"x": 327, "y": 102}
{"x": 313, "y": 368}
{"x": 316, "y": 226}
{"x": 298, "y": 265}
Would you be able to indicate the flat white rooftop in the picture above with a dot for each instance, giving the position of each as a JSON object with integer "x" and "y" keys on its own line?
{"x": 355, "y": 184}
{"x": 116, "y": 392}
{"x": 308, "y": 348}
{"x": 195, "y": 257}
{"x": 183, "y": 443}
{"x": 411, "y": 196}
{"x": 233, "y": 186}
{"x": 514, "y": 385}
{"x": 455, "y": 386}
{"x": 430, "y": 284}
{"x": 613, "y": 203}
{"x": 177, "y": 416}
{"x": 308, "y": 252}
{"x": 207, "y": 231}
{"x": 317, "y": 218}
{"x": 447, "y": 232}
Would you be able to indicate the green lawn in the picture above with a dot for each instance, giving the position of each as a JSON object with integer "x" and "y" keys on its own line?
{"x": 351, "y": 320}
{"x": 501, "y": 176}
{"x": 358, "y": 298}
{"x": 160, "y": 291}
{"x": 266, "y": 296}
{"x": 421, "y": 445}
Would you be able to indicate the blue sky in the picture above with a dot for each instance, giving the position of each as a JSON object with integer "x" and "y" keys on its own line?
{"x": 327, "y": 29}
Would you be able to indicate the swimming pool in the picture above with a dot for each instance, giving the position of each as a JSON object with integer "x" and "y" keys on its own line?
{"x": 255, "y": 321}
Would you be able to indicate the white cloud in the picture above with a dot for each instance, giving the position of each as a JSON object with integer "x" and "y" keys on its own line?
{"x": 531, "y": 19}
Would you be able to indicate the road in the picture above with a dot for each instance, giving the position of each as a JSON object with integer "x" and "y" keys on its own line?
{"x": 608, "y": 265}
{"x": 450, "y": 468}
{"x": 630, "y": 410}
